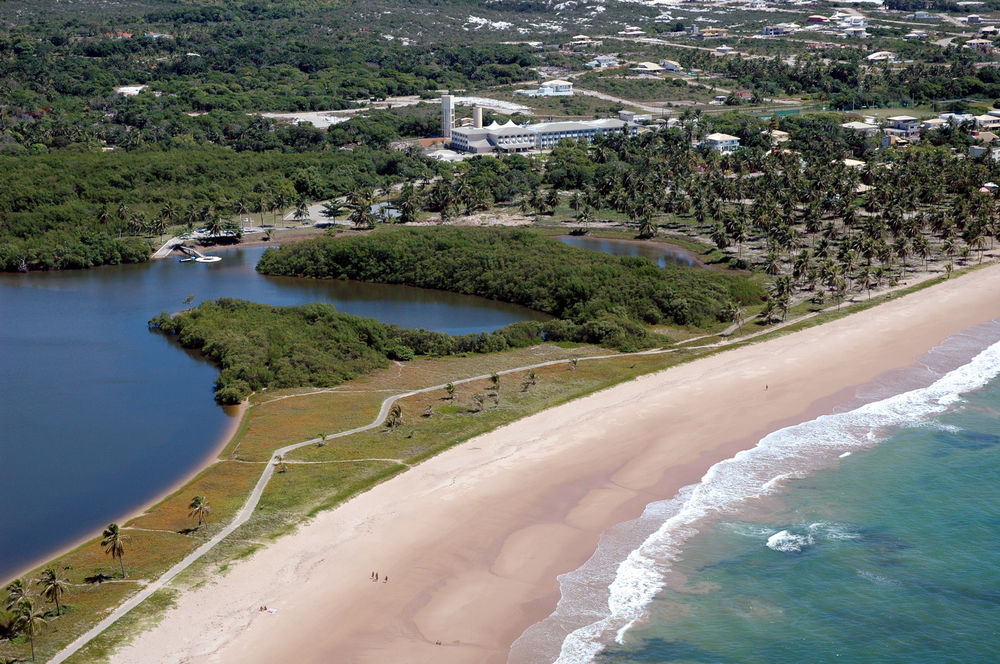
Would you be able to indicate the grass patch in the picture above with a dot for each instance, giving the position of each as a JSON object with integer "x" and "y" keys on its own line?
{"x": 139, "y": 619}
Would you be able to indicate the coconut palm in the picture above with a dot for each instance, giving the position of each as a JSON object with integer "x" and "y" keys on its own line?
{"x": 647, "y": 228}
{"x": 114, "y": 544}
{"x": 29, "y": 620}
{"x": 16, "y": 591}
{"x": 200, "y": 508}
{"x": 215, "y": 224}
{"x": 52, "y": 586}
{"x": 734, "y": 313}
{"x": 360, "y": 203}
{"x": 301, "y": 212}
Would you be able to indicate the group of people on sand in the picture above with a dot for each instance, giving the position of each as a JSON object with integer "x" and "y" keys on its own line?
{"x": 385, "y": 579}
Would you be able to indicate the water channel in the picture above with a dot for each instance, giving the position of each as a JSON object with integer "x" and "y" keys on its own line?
{"x": 100, "y": 415}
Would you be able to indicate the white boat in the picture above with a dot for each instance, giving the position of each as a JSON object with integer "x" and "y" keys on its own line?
{"x": 185, "y": 260}
{"x": 208, "y": 259}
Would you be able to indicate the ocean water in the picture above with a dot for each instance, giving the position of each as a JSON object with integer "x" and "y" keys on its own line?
{"x": 871, "y": 534}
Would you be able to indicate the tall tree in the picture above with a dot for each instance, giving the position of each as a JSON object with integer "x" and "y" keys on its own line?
{"x": 114, "y": 543}
{"x": 52, "y": 586}
{"x": 29, "y": 620}
{"x": 16, "y": 591}
{"x": 200, "y": 508}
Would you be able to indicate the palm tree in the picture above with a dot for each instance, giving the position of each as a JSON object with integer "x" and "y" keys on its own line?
{"x": 242, "y": 209}
{"x": 29, "y": 619}
{"x": 301, "y": 210}
{"x": 215, "y": 224}
{"x": 734, "y": 314}
{"x": 52, "y": 586}
{"x": 647, "y": 229}
{"x": 114, "y": 544}
{"x": 360, "y": 203}
{"x": 16, "y": 591}
{"x": 199, "y": 508}
{"x": 168, "y": 213}
{"x": 105, "y": 217}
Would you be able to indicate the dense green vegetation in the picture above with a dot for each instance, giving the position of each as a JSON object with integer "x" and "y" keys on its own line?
{"x": 259, "y": 346}
{"x": 607, "y": 298}
{"x": 89, "y": 204}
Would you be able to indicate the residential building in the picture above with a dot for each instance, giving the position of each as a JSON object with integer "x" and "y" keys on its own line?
{"x": 903, "y": 126}
{"x": 932, "y": 124}
{"x": 670, "y": 65}
{"x": 602, "y": 62}
{"x": 776, "y": 136}
{"x": 958, "y": 118}
{"x": 635, "y": 118}
{"x": 855, "y": 33}
{"x": 973, "y": 18}
{"x": 816, "y": 18}
{"x": 632, "y": 31}
{"x": 863, "y": 127}
{"x": 554, "y": 88}
{"x": 712, "y": 33}
{"x": 990, "y": 150}
{"x": 722, "y": 143}
{"x": 583, "y": 40}
{"x": 984, "y": 46}
{"x": 987, "y": 122}
{"x": 724, "y": 50}
{"x": 647, "y": 68}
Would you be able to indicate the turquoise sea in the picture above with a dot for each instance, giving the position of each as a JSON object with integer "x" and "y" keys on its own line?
{"x": 868, "y": 535}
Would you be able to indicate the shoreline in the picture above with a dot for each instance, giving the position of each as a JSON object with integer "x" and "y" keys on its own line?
{"x": 203, "y": 464}
{"x": 475, "y": 537}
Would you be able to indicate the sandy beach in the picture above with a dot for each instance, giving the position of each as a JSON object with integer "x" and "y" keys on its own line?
{"x": 472, "y": 540}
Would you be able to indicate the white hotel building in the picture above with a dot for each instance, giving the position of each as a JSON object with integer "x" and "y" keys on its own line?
{"x": 511, "y": 137}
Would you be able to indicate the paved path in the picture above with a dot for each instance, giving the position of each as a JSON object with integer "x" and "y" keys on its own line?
{"x": 165, "y": 250}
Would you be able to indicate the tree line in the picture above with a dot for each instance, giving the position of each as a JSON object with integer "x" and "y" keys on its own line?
{"x": 608, "y": 299}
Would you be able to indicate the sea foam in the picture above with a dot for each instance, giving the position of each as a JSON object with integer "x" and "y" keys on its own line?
{"x": 603, "y": 599}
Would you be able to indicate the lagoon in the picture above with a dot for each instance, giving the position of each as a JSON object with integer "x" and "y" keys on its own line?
{"x": 100, "y": 415}
{"x": 660, "y": 253}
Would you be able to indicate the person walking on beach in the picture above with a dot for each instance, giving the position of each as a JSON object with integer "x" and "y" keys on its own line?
{"x": 386, "y": 579}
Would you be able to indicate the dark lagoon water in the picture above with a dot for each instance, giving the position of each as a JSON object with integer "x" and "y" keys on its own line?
{"x": 100, "y": 415}
{"x": 871, "y": 534}
{"x": 658, "y": 252}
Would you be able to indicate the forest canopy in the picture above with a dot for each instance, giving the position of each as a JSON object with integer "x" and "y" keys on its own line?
{"x": 584, "y": 288}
